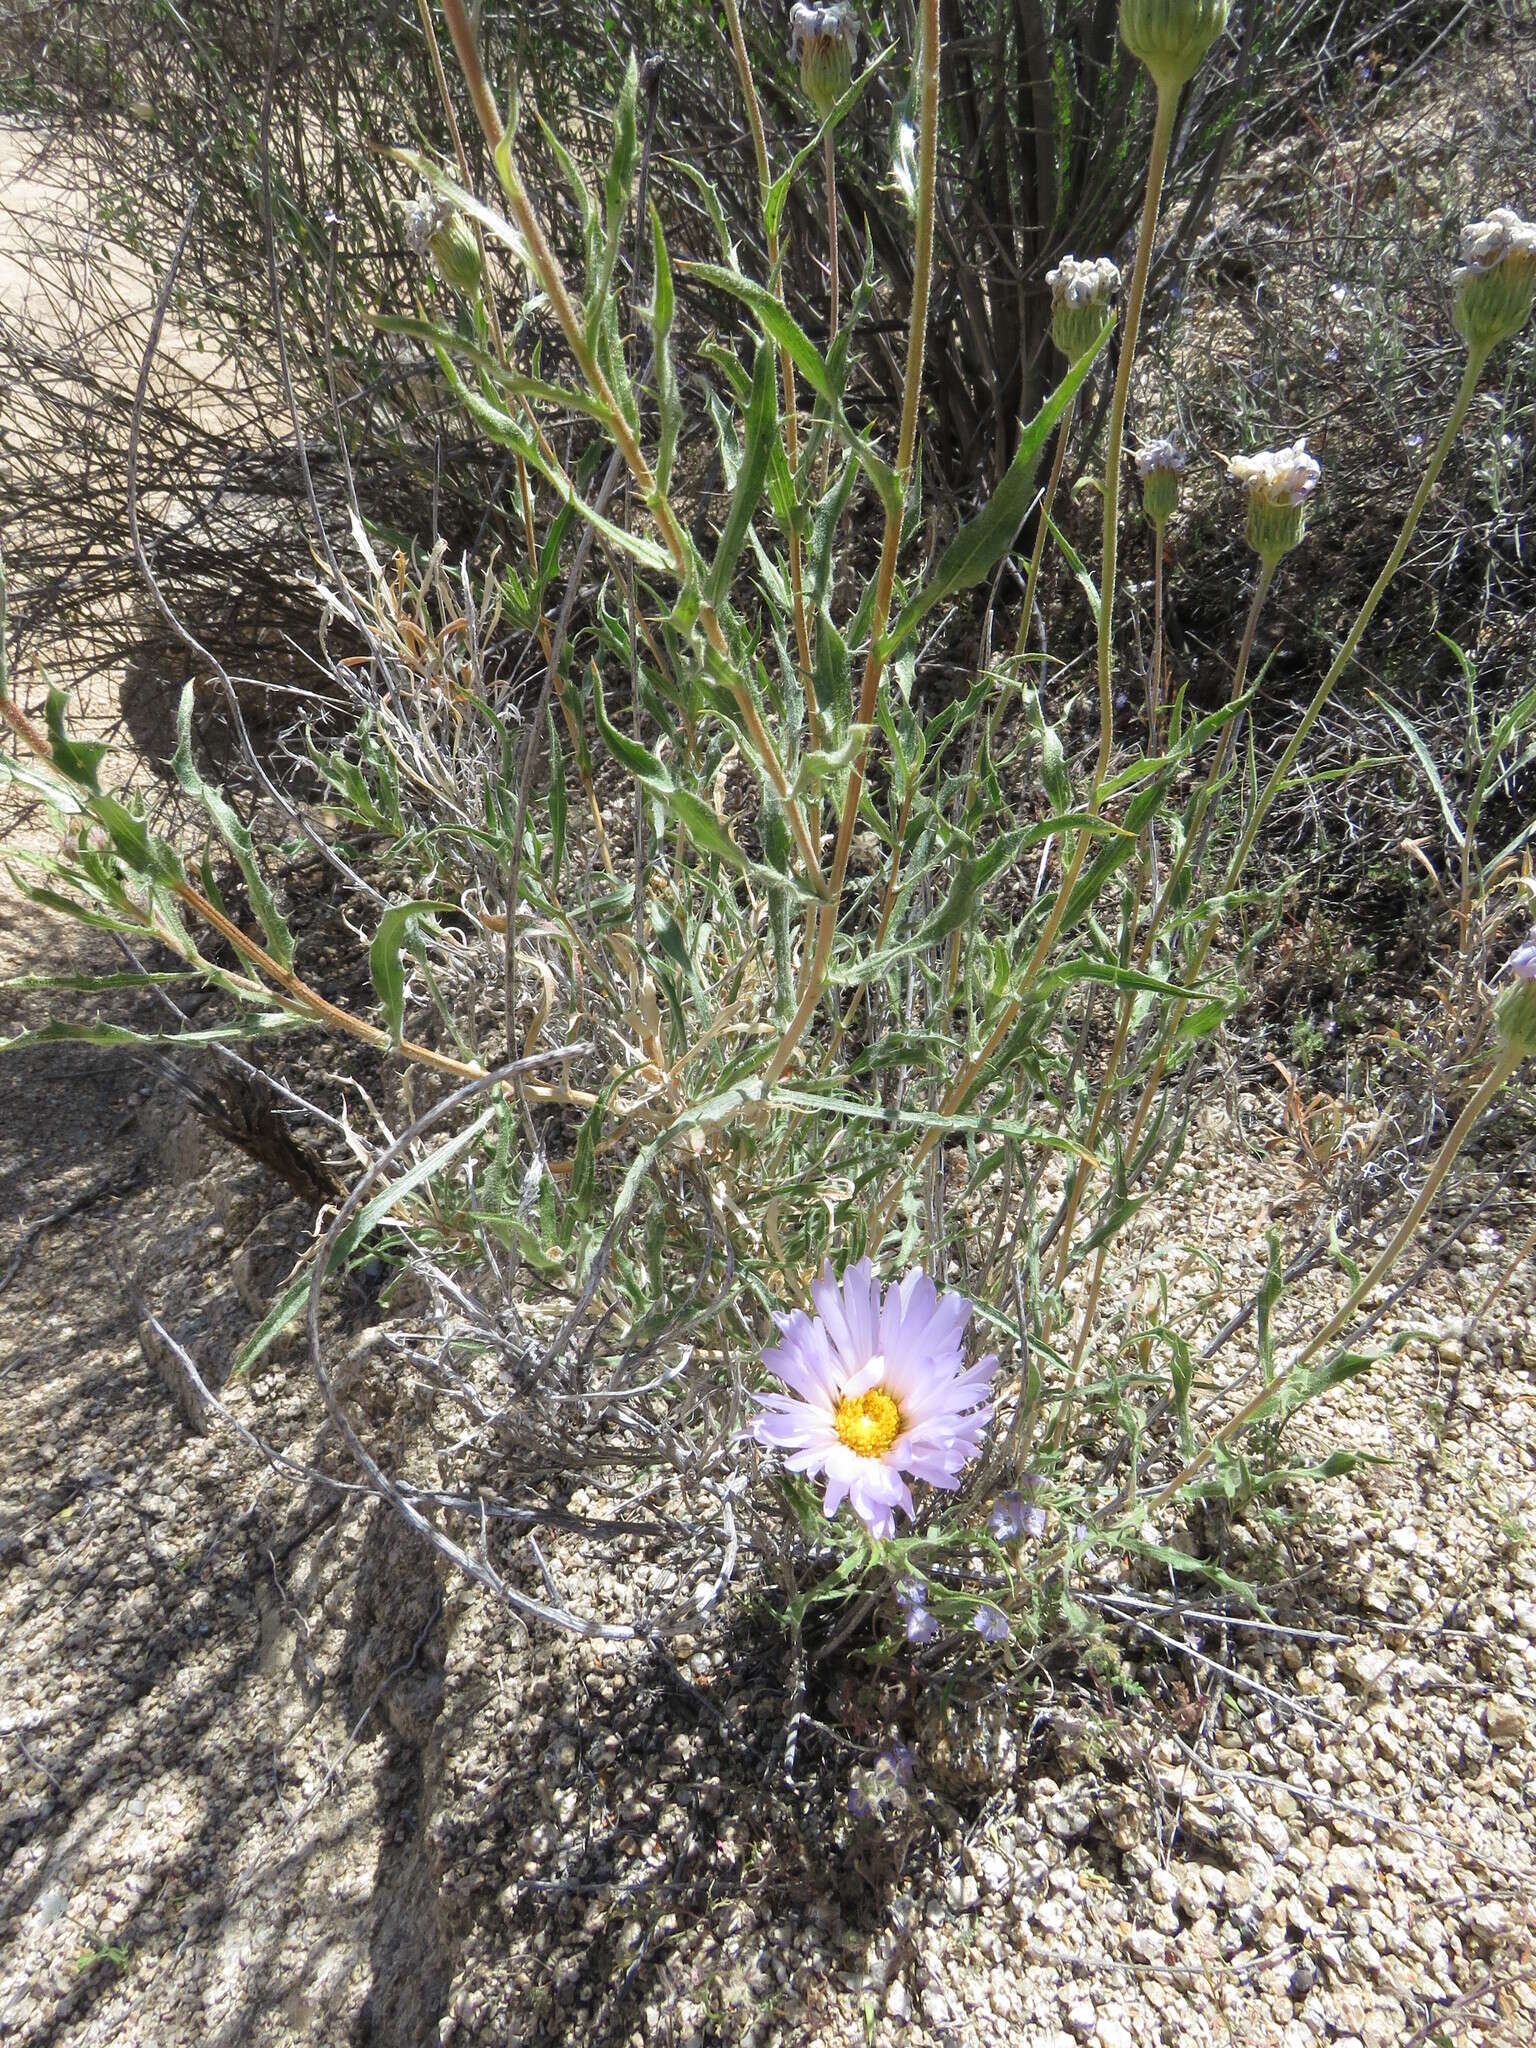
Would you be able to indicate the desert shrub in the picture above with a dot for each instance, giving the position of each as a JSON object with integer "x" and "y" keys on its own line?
{"x": 723, "y": 942}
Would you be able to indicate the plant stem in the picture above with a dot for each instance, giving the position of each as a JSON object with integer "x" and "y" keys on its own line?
{"x": 1037, "y": 552}
{"x": 488, "y": 294}
{"x": 1154, "y": 678}
{"x": 1157, "y": 165}
{"x": 1475, "y": 361}
{"x": 833, "y": 278}
{"x": 1509, "y": 1058}
{"x": 786, "y": 366}
{"x": 874, "y": 665}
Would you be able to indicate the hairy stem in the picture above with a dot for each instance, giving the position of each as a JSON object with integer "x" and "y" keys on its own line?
{"x": 1276, "y": 780}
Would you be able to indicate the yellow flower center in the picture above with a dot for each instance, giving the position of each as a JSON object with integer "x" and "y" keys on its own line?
{"x": 867, "y": 1423}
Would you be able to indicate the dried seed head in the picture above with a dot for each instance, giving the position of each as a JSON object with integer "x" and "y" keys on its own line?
{"x": 1280, "y": 481}
{"x": 1171, "y": 37}
{"x": 823, "y": 40}
{"x": 1496, "y": 282}
{"x": 1517, "y": 1008}
{"x": 1161, "y": 466}
{"x": 1081, "y": 301}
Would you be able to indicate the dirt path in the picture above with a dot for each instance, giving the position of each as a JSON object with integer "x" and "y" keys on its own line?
{"x": 189, "y": 1850}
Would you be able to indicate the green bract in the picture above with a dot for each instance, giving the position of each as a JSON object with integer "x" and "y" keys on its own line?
{"x": 1497, "y": 281}
{"x": 1171, "y": 37}
{"x": 1279, "y": 484}
{"x": 1160, "y": 466}
{"x": 823, "y": 39}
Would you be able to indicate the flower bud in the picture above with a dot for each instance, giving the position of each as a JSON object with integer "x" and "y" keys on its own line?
{"x": 823, "y": 39}
{"x": 1497, "y": 280}
{"x": 1280, "y": 482}
{"x": 1080, "y": 303}
{"x": 1517, "y": 1009}
{"x": 1171, "y": 37}
{"x": 1161, "y": 466}
{"x": 435, "y": 228}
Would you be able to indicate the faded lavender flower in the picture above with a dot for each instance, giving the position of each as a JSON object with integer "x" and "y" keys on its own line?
{"x": 1081, "y": 296}
{"x": 879, "y": 1392}
{"x": 882, "y": 1787}
{"x": 990, "y": 1623}
{"x": 1161, "y": 466}
{"x": 1496, "y": 282}
{"x": 823, "y": 40}
{"x": 1015, "y": 1517}
{"x": 1280, "y": 483}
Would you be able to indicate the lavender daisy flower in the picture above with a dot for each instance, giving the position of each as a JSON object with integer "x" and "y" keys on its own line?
{"x": 1013, "y": 1517}
{"x": 879, "y": 1392}
{"x": 990, "y": 1623}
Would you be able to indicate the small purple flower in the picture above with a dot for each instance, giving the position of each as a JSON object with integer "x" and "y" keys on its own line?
{"x": 990, "y": 1623}
{"x": 921, "y": 1627}
{"x": 911, "y": 1593}
{"x": 1014, "y": 1517}
{"x": 896, "y": 1758}
{"x": 1522, "y": 962}
{"x": 879, "y": 1392}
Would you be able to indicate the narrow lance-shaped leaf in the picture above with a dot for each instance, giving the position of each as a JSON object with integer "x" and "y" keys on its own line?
{"x": 663, "y": 307}
{"x": 982, "y": 542}
{"x": 77, "y": 759}
{"x": 286, "y": 1309}
{"x": 759, "y": 428}
{"x": 777, "y": 196}
{"x": 616, "y": 184}
{"x": 505, "y": 431}
{"x": 396, "y": 927}
{"x": 1268, "y": 1296}
{"x": 235, "y": 835}
{"x": 557, "y": 804}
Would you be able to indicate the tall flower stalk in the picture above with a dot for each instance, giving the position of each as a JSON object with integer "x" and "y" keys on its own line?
{"x": 874, "y": 664}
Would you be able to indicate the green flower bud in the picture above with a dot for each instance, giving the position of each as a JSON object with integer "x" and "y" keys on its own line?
{"x": 1161, "y": 466}
{"x": 1080, "y": 303}
{"x": 1171, "y": 37}
{"x": 1497, "y": 280}
{"x": 437, "y": 229}
{"x": 1517, "y": 1009}
{"x": 823, "y": 39}
{"x": 1279, "y": 483}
